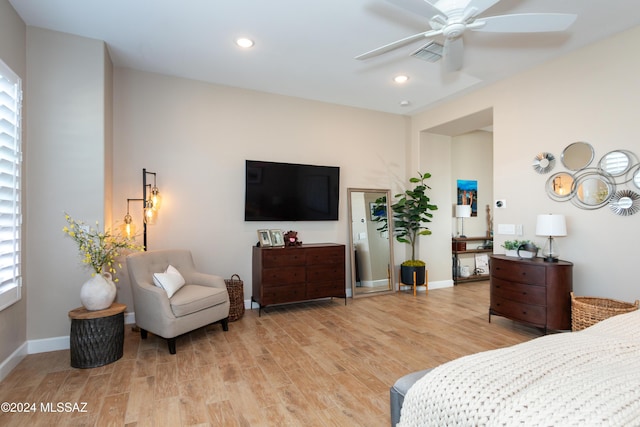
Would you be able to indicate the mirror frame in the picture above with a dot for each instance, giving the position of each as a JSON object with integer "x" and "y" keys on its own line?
{"x": 544, "y": 162}
{"x": 551, "y": 184}
{"x": 635, "y": 176}
{"x": 391, "y": 268}
{"x": 590, "y": 174}
{"x": 567, "y": 152}
{"x": 603, "y": 162}
{"x": 625, "y": 203}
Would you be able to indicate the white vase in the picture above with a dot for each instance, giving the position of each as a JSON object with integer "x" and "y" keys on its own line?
{"x": 98, "y": 292}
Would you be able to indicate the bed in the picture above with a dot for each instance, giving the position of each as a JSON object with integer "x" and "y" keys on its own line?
{"x": 590, "y": 377}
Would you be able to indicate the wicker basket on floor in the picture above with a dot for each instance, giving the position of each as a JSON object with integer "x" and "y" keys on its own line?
{"x": 235, "y": 287}
{"x": 587, "y": 311}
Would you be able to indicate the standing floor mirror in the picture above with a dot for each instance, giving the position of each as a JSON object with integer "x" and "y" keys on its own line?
{"x": 371, "y": 241}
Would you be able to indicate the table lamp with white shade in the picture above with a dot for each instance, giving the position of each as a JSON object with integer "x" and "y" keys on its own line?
{"x": 551, "y": 225}
{"x": 462, "y": 212}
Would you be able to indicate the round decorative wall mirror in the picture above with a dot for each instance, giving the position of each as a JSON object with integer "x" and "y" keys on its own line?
{"x": 559, "y": 186}
{"x": 625, "y": 202}
{"x": 544, "y": 162}
{"x": 636, "y": 177}
{"x": 592, "y": 190}
{"x": 577, "y": 156}
{"x": 615, "y": 163}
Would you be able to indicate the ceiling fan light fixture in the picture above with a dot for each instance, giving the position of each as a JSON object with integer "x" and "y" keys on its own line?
{"x": 431, "y": 52}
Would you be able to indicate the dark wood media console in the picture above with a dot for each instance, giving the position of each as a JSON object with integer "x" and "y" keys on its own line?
{"x": 298, "y": 273}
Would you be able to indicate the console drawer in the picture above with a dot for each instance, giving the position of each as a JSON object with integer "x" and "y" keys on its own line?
{"x": 534, "y": 314}
{"x": 517, "y": 272}
{"x": 528, "y": 294}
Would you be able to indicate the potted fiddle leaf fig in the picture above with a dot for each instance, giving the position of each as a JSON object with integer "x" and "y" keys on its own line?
{"x": 411, "y": 213}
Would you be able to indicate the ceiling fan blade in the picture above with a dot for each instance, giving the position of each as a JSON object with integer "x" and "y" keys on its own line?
{"x": 398, "y": 43}
{"x": 524, "y": 23}
{"x": 453, "y": 54}
{"x": 420, "y": 7}
{"x": 481, "y": 5}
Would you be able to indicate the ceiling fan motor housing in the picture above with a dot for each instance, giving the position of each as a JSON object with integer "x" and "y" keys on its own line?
{"x": 453, "y": 31}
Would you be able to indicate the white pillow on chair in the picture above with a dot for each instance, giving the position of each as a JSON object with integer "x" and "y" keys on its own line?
{"x": 171, "y": 280}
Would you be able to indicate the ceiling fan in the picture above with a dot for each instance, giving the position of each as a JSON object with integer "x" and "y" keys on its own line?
{"x": 451, "y": 18}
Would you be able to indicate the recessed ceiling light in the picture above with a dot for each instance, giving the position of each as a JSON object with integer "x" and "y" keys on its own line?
{"x": 405, "y": 103}
{"x": 244, "y": 42}
{"x": 401, "y": 79}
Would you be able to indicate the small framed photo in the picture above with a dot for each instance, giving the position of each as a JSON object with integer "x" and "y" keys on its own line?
{"x": 265, "y": 238}
{"x": 277, "y": 238}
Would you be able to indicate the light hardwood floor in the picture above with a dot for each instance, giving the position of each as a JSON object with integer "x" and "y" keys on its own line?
{"x": 311, "y": 364}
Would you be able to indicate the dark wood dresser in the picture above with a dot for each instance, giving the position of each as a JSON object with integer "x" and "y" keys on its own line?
{"x": 531, "y": 291}
{"x": 299, "y": 273}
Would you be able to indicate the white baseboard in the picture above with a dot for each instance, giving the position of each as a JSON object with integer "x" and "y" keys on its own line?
{"x": 12, "y": 361}
{"x": 48, "y": 344}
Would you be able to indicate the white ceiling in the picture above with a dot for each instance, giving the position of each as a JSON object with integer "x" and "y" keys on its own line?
{"x": 306, "y": 48}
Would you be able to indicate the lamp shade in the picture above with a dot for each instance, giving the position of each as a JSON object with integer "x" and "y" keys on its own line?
{"x": 463, "y": 211}
{"x": 551, "y": 225}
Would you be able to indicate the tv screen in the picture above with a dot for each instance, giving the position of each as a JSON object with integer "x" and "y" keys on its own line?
{"x": 291, "y": 192}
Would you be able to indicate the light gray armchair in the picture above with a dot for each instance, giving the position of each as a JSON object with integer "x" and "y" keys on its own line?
{"x": 201, "y": 301}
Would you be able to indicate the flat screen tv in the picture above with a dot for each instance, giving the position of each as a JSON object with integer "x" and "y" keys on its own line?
{"x": 291, "y": 192}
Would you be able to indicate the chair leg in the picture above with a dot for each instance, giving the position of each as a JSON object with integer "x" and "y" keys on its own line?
{"x": 225, "y": 324}
{"x": 172, "y": 345}
{"x": 143, "y": 334}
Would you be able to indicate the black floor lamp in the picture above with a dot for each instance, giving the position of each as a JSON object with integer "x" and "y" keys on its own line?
{"x": 151, "y": 203}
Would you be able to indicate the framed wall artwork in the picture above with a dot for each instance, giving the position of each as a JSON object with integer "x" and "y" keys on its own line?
{"x": 468, "y": 194}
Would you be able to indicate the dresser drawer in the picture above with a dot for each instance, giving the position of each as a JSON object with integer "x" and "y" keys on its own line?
{"x": 528, "y": 294}
{"x": 282, "y": 257}
{"x": 282, "y": 294}
{"x": 328, "y": 255}
{"x": 323, "y": 273}
{"x": 534, "y": 314}
{"x": 283, "y": 276}
{"x": 517, "y": 272}
{"x": 327, "y": 289}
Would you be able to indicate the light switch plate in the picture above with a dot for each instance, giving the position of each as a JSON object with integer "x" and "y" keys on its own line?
{"x": 507, "y": 229}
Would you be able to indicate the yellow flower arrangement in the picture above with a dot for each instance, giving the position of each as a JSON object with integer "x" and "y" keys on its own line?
{"x": 98, "y": 249}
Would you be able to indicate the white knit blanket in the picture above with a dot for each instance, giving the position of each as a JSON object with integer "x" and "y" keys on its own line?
{"x": 586, "y": 378}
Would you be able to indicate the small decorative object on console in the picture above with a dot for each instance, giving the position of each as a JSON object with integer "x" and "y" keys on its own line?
{"x": 291, "y": 238}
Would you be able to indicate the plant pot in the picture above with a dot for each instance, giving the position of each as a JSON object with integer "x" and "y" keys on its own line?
{"x": 98, "y": 293}
{"x": 406, "y": 275}
{"x": 523, "y": 253}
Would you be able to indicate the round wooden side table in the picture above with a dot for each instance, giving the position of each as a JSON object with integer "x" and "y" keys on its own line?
{"x": 97, "y": 337}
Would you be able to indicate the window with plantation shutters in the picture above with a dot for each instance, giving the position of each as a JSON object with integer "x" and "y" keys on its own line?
{"x": 10, "y": 186}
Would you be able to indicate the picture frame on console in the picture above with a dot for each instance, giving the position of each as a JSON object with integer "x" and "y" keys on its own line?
{"x": 264, "y": 237}
{"x": 277, "y": 238}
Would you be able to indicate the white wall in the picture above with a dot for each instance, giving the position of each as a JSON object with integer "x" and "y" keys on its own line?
{"x": 68, "y": 152}
{"x": 13, "y": 320}
{"x": 197, "y": 136}
{"x": 472, "y": 159}
{"x": 585, "y": 96}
